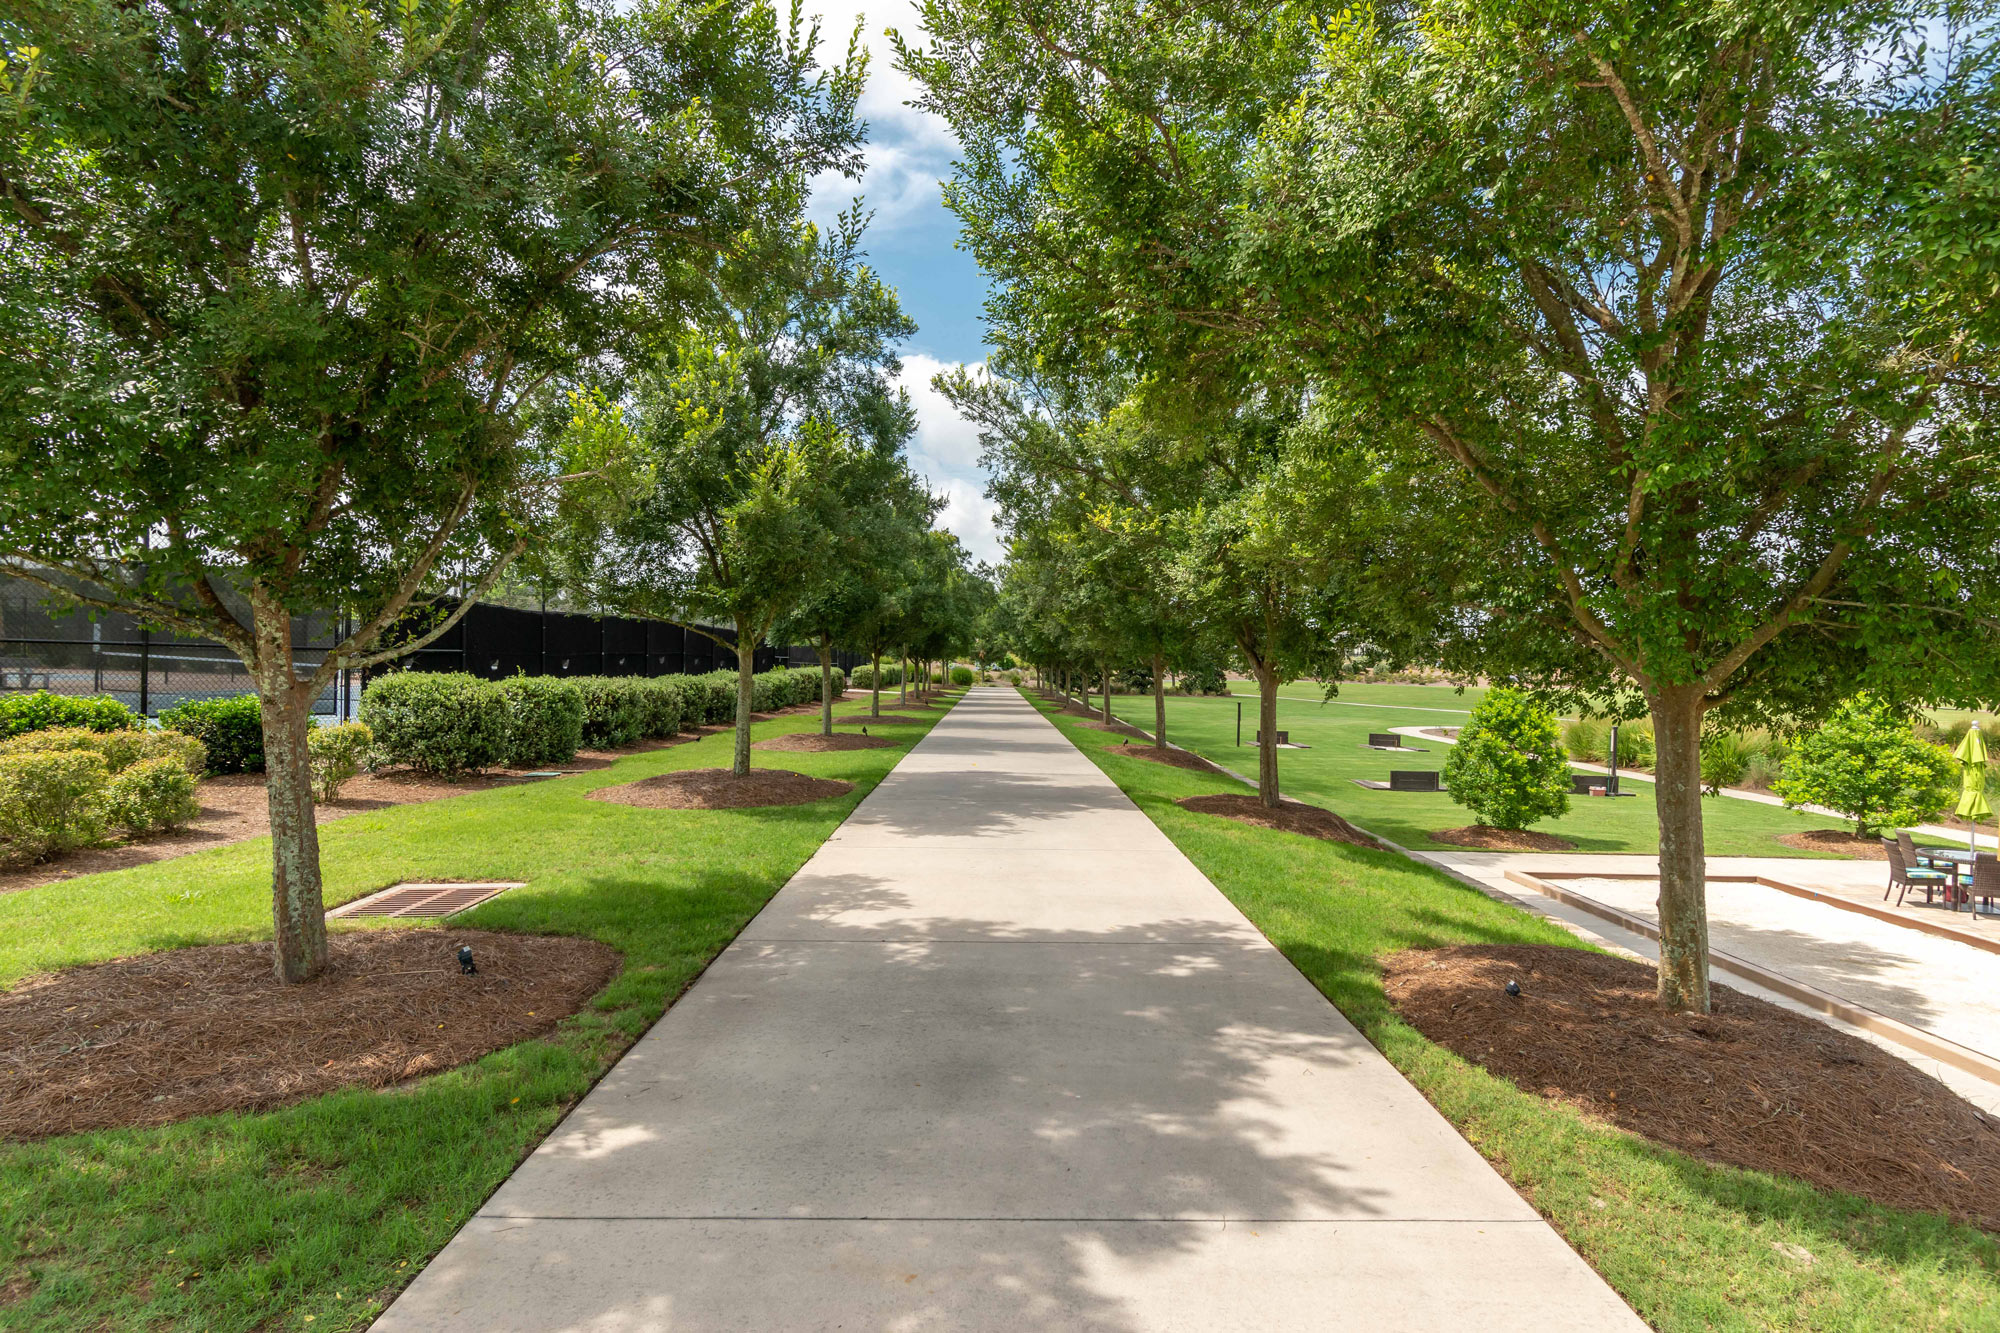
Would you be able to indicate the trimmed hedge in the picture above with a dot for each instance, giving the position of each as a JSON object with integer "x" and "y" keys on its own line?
{"x": 864, "y": 676}
{"x": 437, "y": 722}
{"x": 120, "y": 749}
{"x": 51, "y": 801}
{"x": 42, "y": 711}
{"x": 963, "y": 675}
{"x": 334, "y": 754}
{"x": 614, "y": 710}
{"x": 544, "y": 720}
{"x": 153, "y": 794}
{"x": 232, "y": 729}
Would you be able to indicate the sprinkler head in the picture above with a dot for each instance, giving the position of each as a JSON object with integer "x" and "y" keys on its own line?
{"x": 465, "y": 963}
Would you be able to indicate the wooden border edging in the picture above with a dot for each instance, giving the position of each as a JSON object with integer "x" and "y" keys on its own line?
{"x": 1938, "y": 1048}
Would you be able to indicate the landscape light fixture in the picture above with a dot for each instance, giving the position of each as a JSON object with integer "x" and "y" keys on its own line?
{"x": 465, "y": 963}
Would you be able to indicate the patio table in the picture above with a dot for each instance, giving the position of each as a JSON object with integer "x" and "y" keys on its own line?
{"x": 1957, "y": 864}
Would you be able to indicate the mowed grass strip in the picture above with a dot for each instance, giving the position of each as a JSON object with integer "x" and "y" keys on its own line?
{"x": 313, "y": 1216}
{"x": 1689, "y": 1245}
{"x": 1337, "y": 736}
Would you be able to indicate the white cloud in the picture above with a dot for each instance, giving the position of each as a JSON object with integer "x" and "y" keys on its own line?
{"x": 943, "y": 436}
{"x": 909, "y": 151}
{"x": 970, "y": 514}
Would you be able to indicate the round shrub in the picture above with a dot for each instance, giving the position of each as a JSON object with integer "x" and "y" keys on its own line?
{"x": 963, "y": 675}
{"x": 437, "y": 722}
{"x": 51, "y": 801}
{"x": 42, "y": 711}
{"x": 1869, "y": 764}
{"x": 1014, "y": 678}
{"x": 662, "y": 698}
{"x": 232, "y": 729}
{"x": 720, "y": 704}
{"x": 120, "y": 749}
{"x": 334, "y": 754}
{"x": 1509, "y": 767}
{"x": 614, "y": 711}
{"x": 156, "y": 793}
{"x": 544, "y": 720}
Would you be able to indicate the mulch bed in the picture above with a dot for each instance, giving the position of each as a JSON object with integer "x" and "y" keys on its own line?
{"x": 1836, "y": 840}
{"x": 1749, "y": 1084}
{"x": 1486, "y": 838}
{"x": 185, "y": 1032}
{"x": 812, "y": 742}
{"x": 1169, "y": 756}
{"x": 1291, "y": 817}
{"x": 858, "y": 718}
{"x": 720, "y": 789}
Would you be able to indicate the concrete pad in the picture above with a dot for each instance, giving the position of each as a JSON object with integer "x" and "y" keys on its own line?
{"x": 650, "y": 1276}
{"x": 999, "y": 1057}
{"x": 849, "y": 891}
{"x": 1105, "y": 1080}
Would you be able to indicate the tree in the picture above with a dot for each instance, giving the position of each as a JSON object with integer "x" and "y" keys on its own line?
{"x": 1509, "y": 766}
{"x": 279, "y": 282}
{"x": 1870, "y": 765}
{"x": 1670, "y": 287}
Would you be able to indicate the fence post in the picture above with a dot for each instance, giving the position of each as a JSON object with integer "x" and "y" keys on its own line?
{"x": 145, "y": 670}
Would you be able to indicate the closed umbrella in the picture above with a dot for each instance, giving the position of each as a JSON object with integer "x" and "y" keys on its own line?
{"x": 1972, "y": 805}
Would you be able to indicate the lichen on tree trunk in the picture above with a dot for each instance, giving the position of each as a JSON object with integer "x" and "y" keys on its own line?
{"x": 1267, "y": 736}
{"x": 746, "y": 693}
{"x": 1683, "y": 908}
{"x": 1159, "y": 702}
{"x": 298, "y": 909}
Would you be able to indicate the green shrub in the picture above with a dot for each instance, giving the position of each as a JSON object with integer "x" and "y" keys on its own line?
{"x": 232, "y": 730}
{"x": 155, "y": 793}
{"x": 120, "y": 749}
{"x": 1584, "y": 741}
{"x": 1763, "y": 770}
{"x": 544, "y": 720}
{"x": 1725, "y": 757}
{"x": 963, "y": 675}
{"x": 719, "y": 703}
{"x": 51, "y": 801}
{"x": 662, "y": 699}
{"x": 335, "y": 754}
{"x": 1508, "y": 767}
{"x": 864, "y": 676}
{"x": 614, "y": 710}
{"x": 1013, "y": 678}
{"x": 1871, "y": 766}
{"x": 42, "y": 711}
{"x": 437, "y": 722}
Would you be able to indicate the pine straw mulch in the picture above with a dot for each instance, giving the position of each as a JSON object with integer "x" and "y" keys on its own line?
{"x": 164, "y": 1036}
{"x": 720, "y": 789}
{"x": 812, "y": 742}
{"x": 1837, "y": 840}
{"x": 1291, "y": 817}
{"x": 1169, "y": 756}
{"x": 1749, "y": 1084}
{"x": 1486, "y": 838}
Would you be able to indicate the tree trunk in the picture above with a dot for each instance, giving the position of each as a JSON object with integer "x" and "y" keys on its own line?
{"x": 1106, "y": 669}
{"x": 746, "y": 693}
{"x": 1159, "y": 702}
{"x": 875, "y": 685}
{"x": 298, "y": 910}
{"x": 902, "y": 680}
{"x": 825, "y": 685}
{"x": 1683, "y": 901}
{"x": 1267, "y": 735}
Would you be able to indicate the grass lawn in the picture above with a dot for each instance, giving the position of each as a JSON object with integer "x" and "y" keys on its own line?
{"x": 1337, "y": 736}
{"x": 1691, "y": 1246}
{"x": 313, "y": 1216}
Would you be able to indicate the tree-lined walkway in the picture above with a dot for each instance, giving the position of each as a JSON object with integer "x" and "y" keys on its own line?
{"x": 1000, "y": 1057}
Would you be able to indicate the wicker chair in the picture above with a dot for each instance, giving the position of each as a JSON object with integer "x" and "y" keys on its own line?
{"x": 1903, "y": 877}
{"x": 1985, "y": 886}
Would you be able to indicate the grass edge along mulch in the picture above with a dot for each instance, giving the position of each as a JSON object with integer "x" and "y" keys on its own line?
{"x": 1748, "y": 1084}
{"x": 1689, "y": 1244}
{"x": 314, "y": 1216}
{"x": 1487, "y": 838}
{"x": 722, "y": 789}
{"x": 162, "y": 1037}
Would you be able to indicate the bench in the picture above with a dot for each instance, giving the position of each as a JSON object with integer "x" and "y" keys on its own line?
{"x": 1284, "y": 738}
{"x": 1421, "y": 779}
{"x": 1385, "y": 740}
{"x": 1583, "y": 784}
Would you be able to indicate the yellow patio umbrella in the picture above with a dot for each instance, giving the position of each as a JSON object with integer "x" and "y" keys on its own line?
{"x": 1972, "y": 804}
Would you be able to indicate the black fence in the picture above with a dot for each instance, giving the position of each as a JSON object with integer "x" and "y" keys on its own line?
{"x": 86, "y": 653}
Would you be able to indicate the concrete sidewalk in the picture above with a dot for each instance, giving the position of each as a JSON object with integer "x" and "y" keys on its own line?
{"x": 999, "y": 1057}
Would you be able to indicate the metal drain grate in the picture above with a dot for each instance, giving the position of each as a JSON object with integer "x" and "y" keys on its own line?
{"x": 426, "y": 900}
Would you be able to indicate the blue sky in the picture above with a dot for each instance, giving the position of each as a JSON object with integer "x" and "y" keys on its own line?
{"x": 910, "y": 244}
